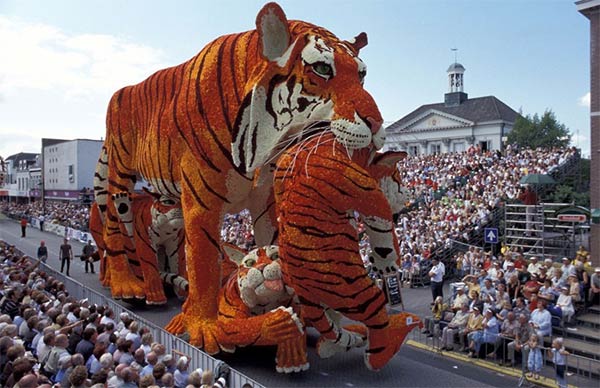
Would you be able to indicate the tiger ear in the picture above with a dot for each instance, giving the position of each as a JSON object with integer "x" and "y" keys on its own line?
{"x": 233, "y": 253}
{"x": 389, "y": 158}
{"x": 359, "y": 41}
{"x": 273, "y": 31}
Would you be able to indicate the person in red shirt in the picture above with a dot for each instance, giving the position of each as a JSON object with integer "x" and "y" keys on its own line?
{"x": 23, "y": 226}
{"x": 529, "y": 198}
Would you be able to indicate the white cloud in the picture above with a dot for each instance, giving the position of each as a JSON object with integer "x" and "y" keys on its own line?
{"x": 585, "y": 100}
{"x": 57, "y": 84}
{"x": 42, "y": 57}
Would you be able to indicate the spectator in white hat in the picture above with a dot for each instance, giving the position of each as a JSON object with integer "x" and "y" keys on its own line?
{"x": 534, "y": 266}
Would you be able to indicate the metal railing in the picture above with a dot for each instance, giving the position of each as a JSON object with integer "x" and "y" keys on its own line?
{"x": 198, "y": 359}
{"x": 580, "y": 370}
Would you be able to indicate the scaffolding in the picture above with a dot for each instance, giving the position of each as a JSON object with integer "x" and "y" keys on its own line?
{"x": 537, "y": 231}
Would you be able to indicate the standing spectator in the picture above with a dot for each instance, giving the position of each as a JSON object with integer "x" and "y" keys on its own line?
{"x": 10, "y": 305}
{"x": 508, "y": 332}
{"x": 23, "y": 226}
{"x": 42, "y": 251}
{"x": 529, "y": 198}
{"x": 437, "y": 278}
{"x": 86, "y": 345}
{"x": 41, "y": 220}
{"x": 86, "y": 255}
{"x": 181, "y": 373}
{"x": 66, "y": 255}
{"x": 534, "y": 361}
{"x": 524, "y": 331}
{"x": 559, "y": 359}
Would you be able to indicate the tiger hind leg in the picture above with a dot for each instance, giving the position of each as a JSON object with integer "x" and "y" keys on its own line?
{"x": 119, "y": 247}
{"x": 385, "y": 342}
{"x": 348, "y": 337}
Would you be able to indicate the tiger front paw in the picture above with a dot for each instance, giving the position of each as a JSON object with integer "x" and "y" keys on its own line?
{"x": 282, "y": 324}
{"x": 292, "y": 356}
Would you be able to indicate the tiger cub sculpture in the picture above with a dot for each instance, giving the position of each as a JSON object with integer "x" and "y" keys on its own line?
{"x": 257, "y": 308}
{"x": 198, "y": 131}
{"x": 317, "y": 185}
{"x": 154, "y": 224}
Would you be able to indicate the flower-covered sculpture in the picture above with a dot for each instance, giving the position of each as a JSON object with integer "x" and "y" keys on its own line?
{"x": 198, "y": 132}
{"x": 257, "y": 308}
{"x": 154, "y": 227}
{"x": 318, "y": 183}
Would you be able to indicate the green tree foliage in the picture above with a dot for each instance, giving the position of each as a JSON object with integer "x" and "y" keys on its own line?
{"x": 566, "y": 194}
{"x": 535, "y": 131}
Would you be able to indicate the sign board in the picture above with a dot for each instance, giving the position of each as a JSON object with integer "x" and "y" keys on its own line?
{"x": 572, "y": 217}
{"x": 491, "y": 235}
{"x": 392, "y": 289}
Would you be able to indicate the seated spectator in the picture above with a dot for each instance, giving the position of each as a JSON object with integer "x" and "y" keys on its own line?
{"x": 432, "y": 323}
{"x": 547, "y": 292}
{"x": 534, "y": 266}
{"x": 567, "y": 268}
{"x": 564, "y": 304}
{"x": 594, "y": 294}
{"x": 488, "y": 334}
{"x": 456, "y": 326}
{"x": 541, "y": 320}
{"x": 531, "y": 287}
{"x": 574, "y": 288}
{"x": 460, "y": 299}
{"x": 474, "y": 324}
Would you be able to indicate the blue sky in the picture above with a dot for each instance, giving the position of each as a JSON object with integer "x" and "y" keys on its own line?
{"x": 62, "y": 60}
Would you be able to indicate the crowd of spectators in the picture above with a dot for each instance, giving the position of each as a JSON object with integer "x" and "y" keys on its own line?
{"x": 68, "y": 214}
{"x": 505, "y": 301}
{"x": 50, "y": 339}
{"x": 456, "y": 192}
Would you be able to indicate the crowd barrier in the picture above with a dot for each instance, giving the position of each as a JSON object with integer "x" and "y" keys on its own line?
{"x": 580, "y": 370}
{"x": 198, "y": 358}
{"x": 70, "y": 233}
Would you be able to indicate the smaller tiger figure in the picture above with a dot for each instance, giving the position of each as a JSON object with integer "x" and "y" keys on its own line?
{"x": 154, "y": 223}
{"x": 257, "y": 308}
{"x": 319, "y": 184}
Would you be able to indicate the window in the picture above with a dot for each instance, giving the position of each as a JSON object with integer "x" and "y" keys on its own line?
{"x": 413, "y": 150}
{"x": 71, "y": 176}
{"x": 435, "y": 149}
{"x": 485, "y": 145}
{"x": 458, "y": 147}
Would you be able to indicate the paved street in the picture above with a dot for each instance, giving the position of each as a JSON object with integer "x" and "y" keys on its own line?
{"x": 410, "y": 368}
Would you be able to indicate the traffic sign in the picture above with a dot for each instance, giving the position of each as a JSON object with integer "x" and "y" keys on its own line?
{"x": 491, "y": 235}
{"x": 572, "y": 217}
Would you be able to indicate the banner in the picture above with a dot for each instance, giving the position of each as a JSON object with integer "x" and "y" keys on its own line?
{"x": 70, "y": 233}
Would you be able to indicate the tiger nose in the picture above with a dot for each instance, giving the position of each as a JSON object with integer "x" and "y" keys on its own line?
{"x": 374, "y": 124}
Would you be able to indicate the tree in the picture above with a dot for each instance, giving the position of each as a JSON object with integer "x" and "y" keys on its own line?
{"x": 536, "y": 131}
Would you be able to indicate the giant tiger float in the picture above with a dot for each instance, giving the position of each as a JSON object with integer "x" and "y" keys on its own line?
{"x": 208, "y": 136}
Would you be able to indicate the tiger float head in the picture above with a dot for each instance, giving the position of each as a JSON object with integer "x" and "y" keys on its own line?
{"x": 309, "y": 80}
{"x": 259, "y": 278}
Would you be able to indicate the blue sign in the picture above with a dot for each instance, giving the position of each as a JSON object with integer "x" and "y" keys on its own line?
{"x": 491, "y": 235}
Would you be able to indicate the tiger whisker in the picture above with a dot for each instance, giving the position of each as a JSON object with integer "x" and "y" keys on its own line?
{"x": 312, "y": 151}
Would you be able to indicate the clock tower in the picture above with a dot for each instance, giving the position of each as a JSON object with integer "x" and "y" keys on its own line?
{"x": 455, "y": 95}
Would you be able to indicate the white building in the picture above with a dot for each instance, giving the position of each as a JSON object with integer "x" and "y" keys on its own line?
{"x": 453, "y": 125}
{"x": 17, "y": 179}
{"x": 69, "y": 167}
